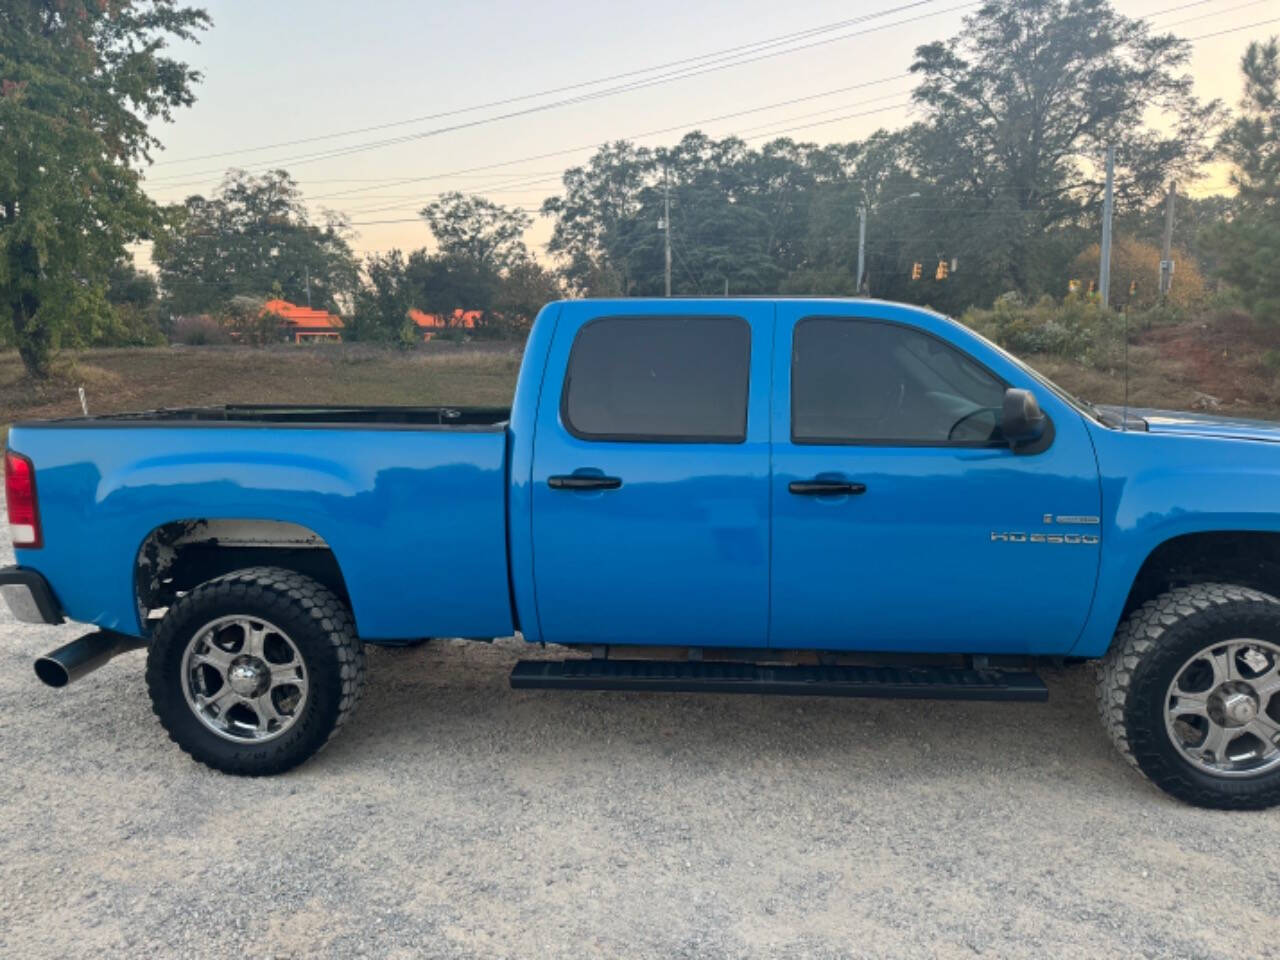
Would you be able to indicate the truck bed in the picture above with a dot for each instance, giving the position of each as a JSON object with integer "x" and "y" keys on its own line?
{"x": 410, "y": 500}
{"x": 298, "y": 415}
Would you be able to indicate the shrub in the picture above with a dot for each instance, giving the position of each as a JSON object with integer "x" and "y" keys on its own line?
{"x": 250, "y": 322}
{"x": 199, "y": 331}
{"x": 1076, "y": 329}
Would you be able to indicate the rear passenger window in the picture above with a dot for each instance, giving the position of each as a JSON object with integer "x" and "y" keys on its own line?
{"x": 675, "y": 379}
{"x": 862, "y": 381}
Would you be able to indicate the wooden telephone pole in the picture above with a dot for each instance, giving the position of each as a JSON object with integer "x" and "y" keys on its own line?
{"x": 666, "y": 227}
{"x": 1104, "y": 260}
{"x": 1166, "y": 256}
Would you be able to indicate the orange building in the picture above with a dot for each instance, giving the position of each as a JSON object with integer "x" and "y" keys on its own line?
{"x": 305, "y": 325}
{"x": 429, "y": 324}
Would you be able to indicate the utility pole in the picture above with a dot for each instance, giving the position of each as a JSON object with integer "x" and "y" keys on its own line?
{"x": 862, "y": 247}
{"x": 306, "y": 272}
{"x": 1166, "y": 258}
{"x": 864, "y": 285}
{"x": 666, "y": 227}
{"x": 1104, "y": 260}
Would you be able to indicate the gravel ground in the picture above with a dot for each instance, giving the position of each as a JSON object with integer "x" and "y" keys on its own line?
{"x": 455, "y": 817}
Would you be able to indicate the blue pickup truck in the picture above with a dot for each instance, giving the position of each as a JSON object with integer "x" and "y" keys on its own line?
{"x": 774, "y": 496}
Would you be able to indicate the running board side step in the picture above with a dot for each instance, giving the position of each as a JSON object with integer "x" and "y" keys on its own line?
{"x": 681, "y": 676}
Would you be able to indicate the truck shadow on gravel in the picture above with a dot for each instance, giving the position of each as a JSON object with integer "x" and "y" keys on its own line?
{"x": 454, "y": 698}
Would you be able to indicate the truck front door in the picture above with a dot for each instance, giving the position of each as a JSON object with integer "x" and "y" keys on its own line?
{"x": 650, "y": 475}
{"x": 900, "y": 520}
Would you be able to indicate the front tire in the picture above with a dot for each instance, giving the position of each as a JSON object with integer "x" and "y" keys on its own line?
{"x": 1190, "y": 694}
{"x": 254, "y": 672}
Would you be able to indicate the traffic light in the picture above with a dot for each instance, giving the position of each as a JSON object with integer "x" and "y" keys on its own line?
{"x": 941, "y": 272}
{"x": 917, "y": 270}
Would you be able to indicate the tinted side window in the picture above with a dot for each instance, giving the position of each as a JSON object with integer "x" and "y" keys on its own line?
{"x": 659, "y": 378}
{"x": 863, "y": 381}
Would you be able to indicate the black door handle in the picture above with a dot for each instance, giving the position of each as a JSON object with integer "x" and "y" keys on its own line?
{"x": 584, "y": 481}
{"x": 820, "y": 488}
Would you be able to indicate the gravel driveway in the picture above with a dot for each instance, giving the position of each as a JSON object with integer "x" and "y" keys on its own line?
{"x": 455, "y": 817}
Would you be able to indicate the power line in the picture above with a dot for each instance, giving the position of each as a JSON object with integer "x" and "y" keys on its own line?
{"x": 608, "y": 92}
{"x": 1247, "y": 26}
{"x": 478, "y": 191}
{"x": 404, "y": 181}
{"x": 495, "y": 188}
{"x": 803, "y": 126}
{"x": 1212, "y": 13}
{"x": 752, "y": 46}
{"x": 1184, "y": 6}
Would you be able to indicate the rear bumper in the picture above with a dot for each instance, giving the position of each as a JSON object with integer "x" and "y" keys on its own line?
{"x": 28, "y": 595}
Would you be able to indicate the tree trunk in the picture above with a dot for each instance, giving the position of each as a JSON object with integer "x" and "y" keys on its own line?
{"x": 34, "y": 339}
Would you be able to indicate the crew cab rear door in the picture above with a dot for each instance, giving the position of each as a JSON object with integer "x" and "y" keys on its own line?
{"x": 900, "y": 521}
{"x": 650, "y": 479}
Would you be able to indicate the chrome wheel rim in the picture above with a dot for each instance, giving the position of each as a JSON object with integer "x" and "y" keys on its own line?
{"x": 244, "y": 679}
{"x": 1222, "y": 711}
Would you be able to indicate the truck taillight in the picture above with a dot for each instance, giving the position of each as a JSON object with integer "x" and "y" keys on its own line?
{"x": 20, "y": 495}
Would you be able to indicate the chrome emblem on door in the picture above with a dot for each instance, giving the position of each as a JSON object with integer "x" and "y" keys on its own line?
{"x": 1049, "y": 518}
{"x": 998, "y": 536}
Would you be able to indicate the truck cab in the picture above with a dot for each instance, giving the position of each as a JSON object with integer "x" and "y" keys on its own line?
{"x": 802, "y": 475}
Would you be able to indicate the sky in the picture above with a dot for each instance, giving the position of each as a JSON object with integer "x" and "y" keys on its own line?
{"x": 283, "y": 71}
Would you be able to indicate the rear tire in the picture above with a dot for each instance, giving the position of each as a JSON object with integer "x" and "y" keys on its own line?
{"x": 254, "y": 672}
{"x": 1190, "y": 694}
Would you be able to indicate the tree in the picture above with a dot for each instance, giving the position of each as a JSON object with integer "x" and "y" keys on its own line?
{"x": 252, "y": 236}
{"x": 524, "y": 289}
{"x": 1195, "y": 226}
{"x": 80, "y": 80}
{"x": 250, "y": 322}
{"x": 596, "y": 216}
{"x": 1022, "y": 104}
{"x": 134, "y": 306}
{"x": 444, "y": 282}
{"x": 382, "y": 302}
{"x": 473, "y": 228}
{"x": 1249, "y": 244}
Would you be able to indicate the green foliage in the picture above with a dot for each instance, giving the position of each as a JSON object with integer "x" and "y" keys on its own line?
{"x": 522, "y": 291}
{"x": 1075, "y": 328}
{"x": 479, "y": 231}
{"x": 79, "y": 82}
{"x": 382, "y": 303}
{"x": 444, "y": 282}
{"x": 133, "y": 300}
{"x": 249, "y": 322}
{"x": 251, "y": 238}
{"x": 1250, "y": 241}
{"x": 1195, "y": 222}
{"x": 441, "y": 283}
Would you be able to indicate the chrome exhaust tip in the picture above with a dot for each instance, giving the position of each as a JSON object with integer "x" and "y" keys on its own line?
{"x": 82, "y": 656}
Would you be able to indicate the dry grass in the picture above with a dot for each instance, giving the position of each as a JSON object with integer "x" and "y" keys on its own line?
{"x": 1224, "y": 361}
{"x": 147, "y": 378}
